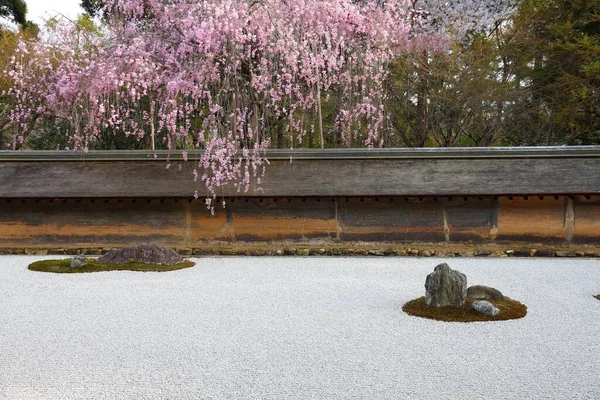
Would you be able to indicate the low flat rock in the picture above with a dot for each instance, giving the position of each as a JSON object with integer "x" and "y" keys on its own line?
{"x": 484, "y": 292}
{"x": 78, "y": 261}
{"x": 146, "y": 252}
{"x": 485, "y": 307}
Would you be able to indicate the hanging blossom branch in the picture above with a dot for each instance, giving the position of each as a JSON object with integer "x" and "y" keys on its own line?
{"x": 460, "y": 17}
{"x": 208, "y": 73}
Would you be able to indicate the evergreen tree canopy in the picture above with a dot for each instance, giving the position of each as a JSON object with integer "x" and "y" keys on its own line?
{"x": 15, "y": 10}
{"x": 92, "y": 7}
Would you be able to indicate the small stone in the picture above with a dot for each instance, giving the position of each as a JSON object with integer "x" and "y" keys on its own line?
{"x": 485, "y": 307}
{"x": 545, "y": 253}
{"x": 414, "y": 252}
{"x": 376, "y": 253}
{"x": 336, "y": 252}
{"x": 466, "y": 254}
{"x": 56, "y": 252}
{"x": 484, "y": 292}
{"x": 303, "y": 252}
{"x": 482, "y": 253}
{"x": 510, "y": 252}
{"x": 522, "y": 253}
{"x": 78, "y": 260}
{"x": 565, "y": 254}
{"x": 279, "y": 252}
{"x": 36, "y": 252}
{"x": 580, "y": 253}
{"x": 184, "y": 252}
{"x": 426, "y": 253}
{"x": 322, "y": 251}
{"x": 445, "y": 287}
{"x": 92, "y": 252}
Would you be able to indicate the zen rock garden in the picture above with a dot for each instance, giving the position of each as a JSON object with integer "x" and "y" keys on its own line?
{"x": 447, "y": 298}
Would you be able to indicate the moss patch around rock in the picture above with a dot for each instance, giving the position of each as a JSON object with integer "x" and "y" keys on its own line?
{"x": 509, "y": 309}
{"x": 64, "y": 266}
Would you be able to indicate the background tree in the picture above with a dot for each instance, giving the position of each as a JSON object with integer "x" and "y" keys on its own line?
{"x": 460, "y": 17}
{"x": 14, "y": 10}
{"x": 92, "y": 7}
{"x": 552, "y": 49}
{"x": 530, "y": 80}
{"x": 213, "y": 75}
{"x": 447, "y": 98}
{"x": 479, "y": 73}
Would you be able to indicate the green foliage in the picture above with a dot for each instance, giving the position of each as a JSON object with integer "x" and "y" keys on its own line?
{"x": 14, "y": 10}
{"x": 552, "y": 49}
{"x": 534, "y": 80}
{"x": 92, "y": 7}
{"x": 448, "y": 98}
{"x": 8, "y": 43}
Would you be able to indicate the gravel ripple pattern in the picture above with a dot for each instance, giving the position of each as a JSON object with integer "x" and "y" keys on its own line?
{"x": 295, "y": 328}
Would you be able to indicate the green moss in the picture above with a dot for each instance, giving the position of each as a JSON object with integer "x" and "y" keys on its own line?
{"x": 509, "y": 309}
{"x": 63, "y": 266}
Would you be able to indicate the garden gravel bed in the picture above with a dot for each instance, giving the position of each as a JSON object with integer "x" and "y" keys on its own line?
{"x": 274, "y": 328}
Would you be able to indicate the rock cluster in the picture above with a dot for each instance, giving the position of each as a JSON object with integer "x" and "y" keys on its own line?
{"x": 445, "y": 287}
{"x": 146, "y": 252}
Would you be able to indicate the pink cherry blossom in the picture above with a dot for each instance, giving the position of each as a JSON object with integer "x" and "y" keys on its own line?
{"x": 213, "y": 73}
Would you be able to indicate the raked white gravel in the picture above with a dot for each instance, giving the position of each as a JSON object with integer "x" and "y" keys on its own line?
{"x": 295, "y": 328}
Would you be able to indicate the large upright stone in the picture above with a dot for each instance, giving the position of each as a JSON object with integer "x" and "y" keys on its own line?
{"x": 146, "y": 252}
{"x": 445, "y": 287}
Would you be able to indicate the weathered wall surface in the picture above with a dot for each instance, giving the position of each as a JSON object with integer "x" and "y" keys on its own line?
{"x": 495, "y": 195}
{"x": 183, "y": 223}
